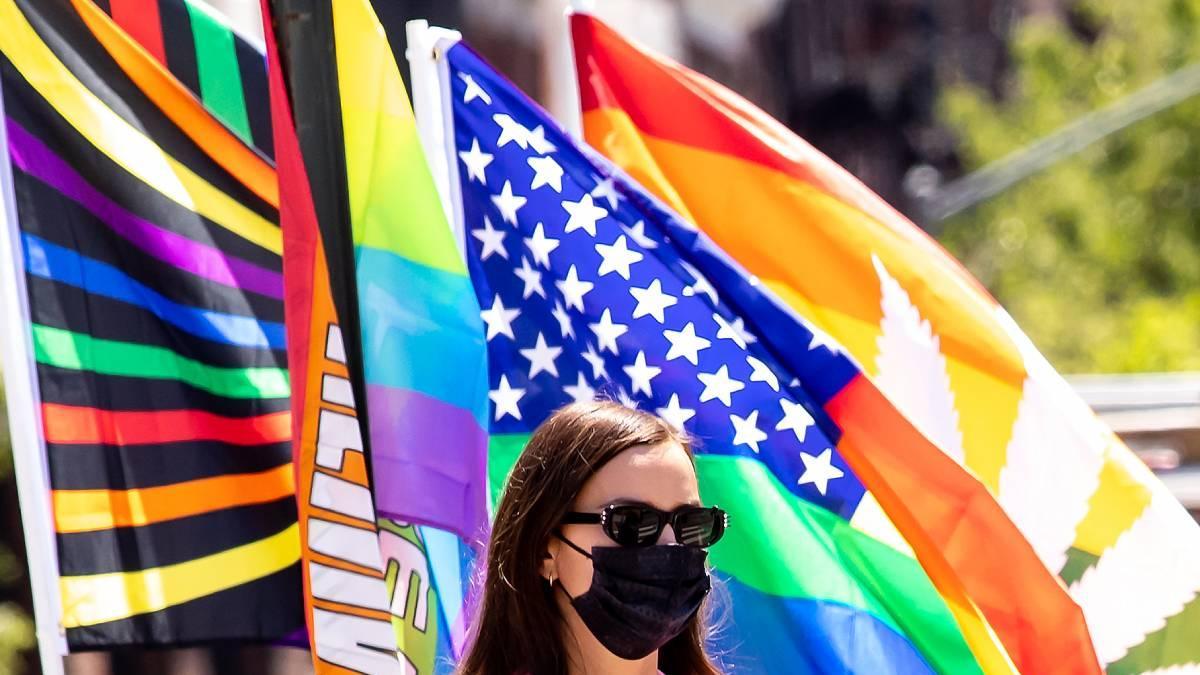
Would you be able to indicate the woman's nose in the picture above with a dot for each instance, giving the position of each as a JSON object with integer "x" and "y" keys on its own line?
{"x": 667, "y": 536}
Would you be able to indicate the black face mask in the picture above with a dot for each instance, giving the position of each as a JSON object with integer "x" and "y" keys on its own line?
{"x": 641, "y": 597}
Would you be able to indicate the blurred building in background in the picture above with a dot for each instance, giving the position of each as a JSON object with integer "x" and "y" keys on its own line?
{"x": 1158, "y": 416}
{"x": 857, "y": 78}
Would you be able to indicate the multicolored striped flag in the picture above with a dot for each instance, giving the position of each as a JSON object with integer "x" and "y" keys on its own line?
{"x": 345, "y": 595}
{"x": 227, "y": 70}
{"x": 367, "y": 248}
{"x": 588, "y": 284}
{"x": 924, "y": 330}
{"x": 151, "y": 258}
{"x": 424, "y": 359}
{"x": 423, "y": 355}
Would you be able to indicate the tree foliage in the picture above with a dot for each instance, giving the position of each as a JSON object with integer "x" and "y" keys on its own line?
{"x": 16, "y": 628}
{"x": 1098, "y": 257}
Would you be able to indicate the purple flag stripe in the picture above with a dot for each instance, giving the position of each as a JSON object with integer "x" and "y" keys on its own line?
{"x": 429, "y": 458}
{"x": 34, "y": 158}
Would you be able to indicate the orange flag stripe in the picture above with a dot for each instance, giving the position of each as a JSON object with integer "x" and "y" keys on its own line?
{"x": 826, "y": 271}
{"x": 737, "y": 129}
{"x": 961, "y": 535}
{"x": 178, "y": 104}
{"x": 92, "y": 510}
{"x": 690, "y": 122}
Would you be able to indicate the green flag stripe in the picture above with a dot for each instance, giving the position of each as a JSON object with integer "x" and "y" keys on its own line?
{"x": 220, "y": 77}
{"x": 783, "y": 545}
{"x": 394, "y": 203}
{"x": 503, "y": 450}
{"x": 77, "y": 351}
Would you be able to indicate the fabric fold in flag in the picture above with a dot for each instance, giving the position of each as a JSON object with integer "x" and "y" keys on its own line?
{"x": 924, "y": 330}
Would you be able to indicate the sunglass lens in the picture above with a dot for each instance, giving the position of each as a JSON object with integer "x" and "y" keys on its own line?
{"x": 699, "y": 527}
{"x": 634, "y": 525}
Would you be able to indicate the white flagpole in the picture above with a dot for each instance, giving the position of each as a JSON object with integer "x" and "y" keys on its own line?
{"x": 25, "y": 427}
{"x": 427, "y": 106}
{"x": 432, "y": 105}
{"x": 427, "y": 46}
{"x": 562, "y": 79}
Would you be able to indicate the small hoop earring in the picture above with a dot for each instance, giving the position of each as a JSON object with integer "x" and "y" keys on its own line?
{"x": 551, "y": 580}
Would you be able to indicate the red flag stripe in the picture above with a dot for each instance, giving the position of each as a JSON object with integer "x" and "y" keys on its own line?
{"x": 928, "y": 495}
{"x": 738, "y": 129}
{"x": 79, "y": 424}
{"x": 140, "y": 18}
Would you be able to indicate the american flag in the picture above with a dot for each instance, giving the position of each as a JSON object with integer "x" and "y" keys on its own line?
{"x": 589, "y": 287}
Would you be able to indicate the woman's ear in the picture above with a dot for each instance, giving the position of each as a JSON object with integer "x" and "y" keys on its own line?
{"x": 549, "y": 569}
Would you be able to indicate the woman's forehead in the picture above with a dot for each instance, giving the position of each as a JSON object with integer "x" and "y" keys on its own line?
{"x": 659, "y": 475}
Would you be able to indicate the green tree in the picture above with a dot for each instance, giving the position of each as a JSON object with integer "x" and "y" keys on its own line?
{"x": 16, "y": 629}
{"x": 1098, "y": 257}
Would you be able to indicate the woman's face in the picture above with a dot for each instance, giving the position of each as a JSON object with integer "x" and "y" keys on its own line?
{"x": 661, "y": 476}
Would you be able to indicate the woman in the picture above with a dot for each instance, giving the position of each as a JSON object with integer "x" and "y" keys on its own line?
{"x": 597, "y": 562}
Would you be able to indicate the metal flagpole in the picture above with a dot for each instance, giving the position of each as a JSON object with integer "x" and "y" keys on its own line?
{"x": 25, "y": 427}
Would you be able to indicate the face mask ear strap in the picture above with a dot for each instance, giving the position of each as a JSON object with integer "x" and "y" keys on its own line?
{"x": 568, "y": 542}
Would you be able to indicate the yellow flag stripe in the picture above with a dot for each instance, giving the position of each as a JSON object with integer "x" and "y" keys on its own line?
{"x": 119, "y": 140}
{"x": 99, "y": 598}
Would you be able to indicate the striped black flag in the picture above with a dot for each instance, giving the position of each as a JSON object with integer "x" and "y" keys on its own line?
{"x": 147, "y": 232}
{"x": 226, "y": 69}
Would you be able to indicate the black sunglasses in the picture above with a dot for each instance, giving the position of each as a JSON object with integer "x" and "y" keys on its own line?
{"x": 641, "y": 525}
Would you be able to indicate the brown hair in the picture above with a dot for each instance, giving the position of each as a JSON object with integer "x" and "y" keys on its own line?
{"x": 518, "y": 628}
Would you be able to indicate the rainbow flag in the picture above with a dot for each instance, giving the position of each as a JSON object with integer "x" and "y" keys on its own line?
{"x": 412, "y": 372}
{"x": 345, "y": 592}
{"x": 922, "y": 328}
{"x": 589, "y": 284}
{"x": 423, "y": 358}
{"x": 149, "y": 243}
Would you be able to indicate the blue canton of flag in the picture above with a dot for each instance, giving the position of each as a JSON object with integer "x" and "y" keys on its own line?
{"x": 587, "y": 290}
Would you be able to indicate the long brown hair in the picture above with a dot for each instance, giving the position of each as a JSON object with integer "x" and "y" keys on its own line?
{"x": 518, "y": 628}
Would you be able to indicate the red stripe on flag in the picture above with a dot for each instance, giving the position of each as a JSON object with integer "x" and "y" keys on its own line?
{"x": 687, "y": 108}
{"x": 931, "y": 497}
{"x": 615, "y": 74}
{"x": 301, "y": 235}
{"x": 78, "y": 425}
{"x": 140, "y": 18}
